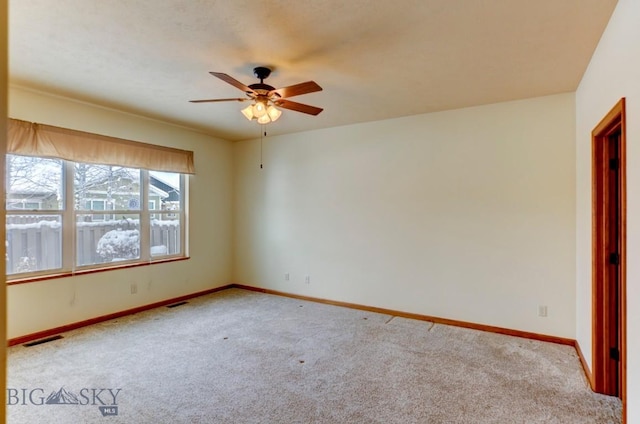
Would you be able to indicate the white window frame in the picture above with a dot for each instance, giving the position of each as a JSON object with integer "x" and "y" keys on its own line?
{"x": 69, "y": 229}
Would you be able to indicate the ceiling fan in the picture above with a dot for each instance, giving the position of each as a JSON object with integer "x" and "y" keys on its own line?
{"x": 265, "y": 97}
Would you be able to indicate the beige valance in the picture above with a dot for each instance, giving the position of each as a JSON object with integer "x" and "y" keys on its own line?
{"x": 31, "y": 139}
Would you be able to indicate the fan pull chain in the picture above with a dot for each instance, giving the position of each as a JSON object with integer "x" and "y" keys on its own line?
{"x": 262, "y": 132}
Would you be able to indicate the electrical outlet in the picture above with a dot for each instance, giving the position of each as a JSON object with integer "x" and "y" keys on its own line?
{"x": 286, "y": 276}
{"x": 542, "y": 310}
{"x": 134, "y": 288}
{"x": 307, "y": 279}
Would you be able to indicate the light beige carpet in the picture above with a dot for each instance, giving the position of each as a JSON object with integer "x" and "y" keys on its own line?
{"x": 244, "y": 357}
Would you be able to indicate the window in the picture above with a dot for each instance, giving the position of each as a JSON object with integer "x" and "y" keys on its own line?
{"x": 99, "y": 205}
{"x": 34, "y": 202}
{"x": 64, "y": 216}
{"x": 167, "y": 203}
{"x": 23, "y": 204}
{"x": 68, "y": 211}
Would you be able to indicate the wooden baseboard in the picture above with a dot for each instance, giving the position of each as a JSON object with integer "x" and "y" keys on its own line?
{"x": 57, "y": 330}
{"x": 437, "y": 320}
{"x": 585, "y": 366}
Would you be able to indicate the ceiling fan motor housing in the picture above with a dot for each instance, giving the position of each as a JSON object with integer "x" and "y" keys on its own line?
{"x": 261, "y": 72}
{"x": 262, "y": 89}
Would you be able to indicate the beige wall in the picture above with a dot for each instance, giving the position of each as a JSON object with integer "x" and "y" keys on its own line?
{"x": 613, "y": 73}
{"x": 38, "y": 306}
{"x": 465, "y": 214}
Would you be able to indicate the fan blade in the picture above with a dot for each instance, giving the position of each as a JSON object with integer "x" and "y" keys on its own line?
{"x": 296, "y": 90}
{"x": 230, "y": 80}
{"x": 298, "y": 107}
{"x": 218, "y": 100}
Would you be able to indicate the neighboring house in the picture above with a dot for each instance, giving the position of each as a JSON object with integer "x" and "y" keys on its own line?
{"x": 172, "y": 199}
{"x": 172, "y": 191}
{"x": 122, "y": 192}
{"x": 101, "y": 188}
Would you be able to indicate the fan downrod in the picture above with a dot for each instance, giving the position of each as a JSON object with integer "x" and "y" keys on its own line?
{"x": 261, "y": 72}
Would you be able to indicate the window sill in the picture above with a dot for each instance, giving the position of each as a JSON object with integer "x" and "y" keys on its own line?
{"x": 90, "y": 271}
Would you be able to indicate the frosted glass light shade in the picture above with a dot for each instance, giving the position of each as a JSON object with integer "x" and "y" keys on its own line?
{"x": 259, "y": 109}
{"x": 263, "y": 113}
{"x": 273, "y": 113}
{"x": 248, "y": 112}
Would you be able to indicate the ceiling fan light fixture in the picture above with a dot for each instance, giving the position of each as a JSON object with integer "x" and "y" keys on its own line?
{"x": 273, "y": 113}
{"x": 248, "y": 112}
{"x": 259, "y": 109}
{"x": 261, "y": 112}
{"x": 264, "y": 119}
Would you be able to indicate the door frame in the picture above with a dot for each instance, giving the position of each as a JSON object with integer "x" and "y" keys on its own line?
{"x": 613, "y": 122}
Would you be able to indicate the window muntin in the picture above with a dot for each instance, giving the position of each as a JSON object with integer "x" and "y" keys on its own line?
{"x": 85, "y": 235}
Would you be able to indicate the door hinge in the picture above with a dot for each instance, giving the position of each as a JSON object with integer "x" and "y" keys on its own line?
{"x": 614, "y": 259}
{"x": 614, "y": 164}
{"x": 614, "y": 353}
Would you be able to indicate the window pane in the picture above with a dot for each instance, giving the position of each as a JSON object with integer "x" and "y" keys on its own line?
{"x": 33, "y": 183}
{"x": 106, "y": 187}
{"x": 102, "y": 239}
{"x": 165, "y": 235}
{"x": 34, "y": 243}
{"x": 164, "y": 191}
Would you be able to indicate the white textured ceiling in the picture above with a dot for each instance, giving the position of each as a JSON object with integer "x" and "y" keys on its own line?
{"x": 375, "y": 59}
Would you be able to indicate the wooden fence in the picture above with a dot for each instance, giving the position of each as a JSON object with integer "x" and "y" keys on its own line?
{"x": 34, "y": 243}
